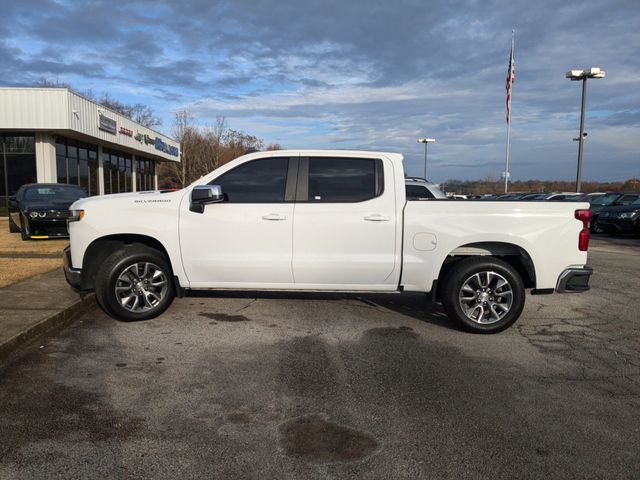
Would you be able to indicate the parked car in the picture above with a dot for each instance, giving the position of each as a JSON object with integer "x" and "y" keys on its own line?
{"x": 534, "y": 197}
{"x": 323, "y": 221}
{"x": 509, "y": 197}
{"x": 40, "y": 210}
{"x": 421, "y": 189}
{"x": 618, "y": 218}
{"x": 564, "y": 196}
{"x": 608, "y": 199}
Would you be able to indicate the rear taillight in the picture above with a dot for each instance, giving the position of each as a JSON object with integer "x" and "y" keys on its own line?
{"x": 583, "y": 239}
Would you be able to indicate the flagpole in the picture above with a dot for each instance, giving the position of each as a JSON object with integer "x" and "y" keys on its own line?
{"x": 506, "y": 157}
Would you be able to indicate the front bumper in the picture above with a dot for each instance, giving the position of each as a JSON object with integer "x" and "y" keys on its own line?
{"x": 72, "y": 275}
{"x": 47, "y": 228}
{"x": 618, "y": 225}
{"x": 574, "y": 280}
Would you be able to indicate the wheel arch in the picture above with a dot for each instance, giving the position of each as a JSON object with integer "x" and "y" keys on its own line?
{"x": 513, "y": 254}
{"x": 101, "y": 248}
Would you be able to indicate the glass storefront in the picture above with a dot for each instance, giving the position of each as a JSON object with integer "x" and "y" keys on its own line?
{"x": 77, "y": 164}
{"x": 117, "y": 169}
{"x": 18, "y": 157}
{"x": 145, "y": 174}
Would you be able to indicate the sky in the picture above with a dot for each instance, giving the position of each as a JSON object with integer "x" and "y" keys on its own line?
{"x": 359, "y": 74}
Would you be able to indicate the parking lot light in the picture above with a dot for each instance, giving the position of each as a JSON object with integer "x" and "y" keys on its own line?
{"x": 575, "y": 75}
{"x": 426, "y": 141}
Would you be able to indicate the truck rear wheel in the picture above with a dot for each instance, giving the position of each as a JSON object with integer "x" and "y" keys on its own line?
{"x": 135, "y": 283}
{"x": 484, "y": 294}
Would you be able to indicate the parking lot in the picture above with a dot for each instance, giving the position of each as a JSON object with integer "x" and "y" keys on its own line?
{"x": 245, "y": 385}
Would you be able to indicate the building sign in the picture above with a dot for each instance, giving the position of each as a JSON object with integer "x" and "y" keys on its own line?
{"x": 166, "y": 148}
{"x": 126, "y": 131}
{"x": 107, "y": 124}
{"x": 158, "y": 143}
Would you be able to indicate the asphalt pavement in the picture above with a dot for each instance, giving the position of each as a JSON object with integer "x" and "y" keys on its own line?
{"x": 335, "y": 386}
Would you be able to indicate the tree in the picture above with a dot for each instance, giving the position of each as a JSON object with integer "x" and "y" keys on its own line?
{"x": 203, "y": 149}
{"x": 138, "y": 112}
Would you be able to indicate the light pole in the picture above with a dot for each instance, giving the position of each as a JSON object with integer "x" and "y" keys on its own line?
{"x": 574, "y": 75}
{"x": 426, "y": 141}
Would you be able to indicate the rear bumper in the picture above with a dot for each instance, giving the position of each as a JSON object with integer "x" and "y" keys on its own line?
{"x": 574, "y": 280}
{"x": 72, "y": 275}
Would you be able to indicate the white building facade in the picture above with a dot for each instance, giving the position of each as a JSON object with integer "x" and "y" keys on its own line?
{"x": 53, "y": 135}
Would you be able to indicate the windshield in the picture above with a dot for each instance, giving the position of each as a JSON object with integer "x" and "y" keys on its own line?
{"x": 54, "y": 193}
{"x": 605, "y": 199}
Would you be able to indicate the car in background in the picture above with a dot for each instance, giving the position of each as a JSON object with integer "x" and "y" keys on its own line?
{"x": 420, "y": 189}
{"x": 40, "y": 210}
{"x": 605, "y": 200}
{"x": 534, "y": 197}
{"x": 564, "y": 196}
{"x": 619, "y": 217}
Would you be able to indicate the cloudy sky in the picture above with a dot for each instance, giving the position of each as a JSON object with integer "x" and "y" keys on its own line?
{"x": 363, "y": 74}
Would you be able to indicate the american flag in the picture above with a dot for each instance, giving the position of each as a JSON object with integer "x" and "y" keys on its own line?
{"x": 511, "y": 78}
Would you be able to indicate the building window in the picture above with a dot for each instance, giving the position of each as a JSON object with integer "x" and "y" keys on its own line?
{"x": 117, "y": 171}
{"x": 77, "y": 164}
{"x": 145, "y": 174}
{"x": 17, "y": 164}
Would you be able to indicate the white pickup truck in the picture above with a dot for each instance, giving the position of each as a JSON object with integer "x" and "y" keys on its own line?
{"x": 323, "y": 221}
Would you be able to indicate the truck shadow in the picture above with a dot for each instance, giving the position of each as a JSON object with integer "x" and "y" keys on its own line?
{"x": 415, "y": 305}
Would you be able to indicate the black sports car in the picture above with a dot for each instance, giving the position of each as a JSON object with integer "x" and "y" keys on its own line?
{"x": 40, "y": 210}
{"x": 604, "y": 202}
{"x": 621, "y": 218}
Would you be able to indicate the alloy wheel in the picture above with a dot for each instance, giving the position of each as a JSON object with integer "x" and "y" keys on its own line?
{"x": 141, "y": 287}
{"x": 486, "y": 297}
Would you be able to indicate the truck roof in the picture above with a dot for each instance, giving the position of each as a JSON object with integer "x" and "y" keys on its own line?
{"x": 326, "y": 153}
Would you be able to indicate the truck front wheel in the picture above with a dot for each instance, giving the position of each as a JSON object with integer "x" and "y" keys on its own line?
{"x": 135, "y": 283}
{"x": 484, "y": 294}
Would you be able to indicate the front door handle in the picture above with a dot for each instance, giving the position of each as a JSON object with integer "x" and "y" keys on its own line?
{"x": 376, "y": 217}
{"x": 274, "y": 217}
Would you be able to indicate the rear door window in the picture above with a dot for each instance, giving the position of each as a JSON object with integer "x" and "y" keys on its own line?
{"x": 344, "y": 179}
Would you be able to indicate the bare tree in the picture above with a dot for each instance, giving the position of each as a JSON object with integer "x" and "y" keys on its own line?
{"x": 138, "y": 112}
{"x": 203, "y": 149}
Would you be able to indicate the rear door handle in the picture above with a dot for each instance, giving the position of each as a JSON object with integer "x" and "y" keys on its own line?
{"x": 376, "y": 217}
{"x": 274, "y": 217}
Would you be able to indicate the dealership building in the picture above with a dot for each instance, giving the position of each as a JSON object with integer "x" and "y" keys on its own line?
{"x": 53, "y": 135}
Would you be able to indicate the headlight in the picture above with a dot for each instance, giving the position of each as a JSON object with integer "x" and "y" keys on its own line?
{"x": 76, "y": 215}
{"x": 627, "y": 214}
{"x": 33, "y": 214}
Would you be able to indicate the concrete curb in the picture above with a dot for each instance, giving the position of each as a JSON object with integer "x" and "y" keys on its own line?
{"x": 47, "y": 325}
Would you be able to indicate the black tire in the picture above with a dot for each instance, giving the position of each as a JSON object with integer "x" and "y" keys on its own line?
{"x": 496, "y": 298}
{"x": 110, "y": 276}
{"x": 23, "y": 230}
{"x": 13, "y": 228}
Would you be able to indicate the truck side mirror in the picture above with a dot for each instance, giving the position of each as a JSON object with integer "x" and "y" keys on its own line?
{"x": 202, "y": 195}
